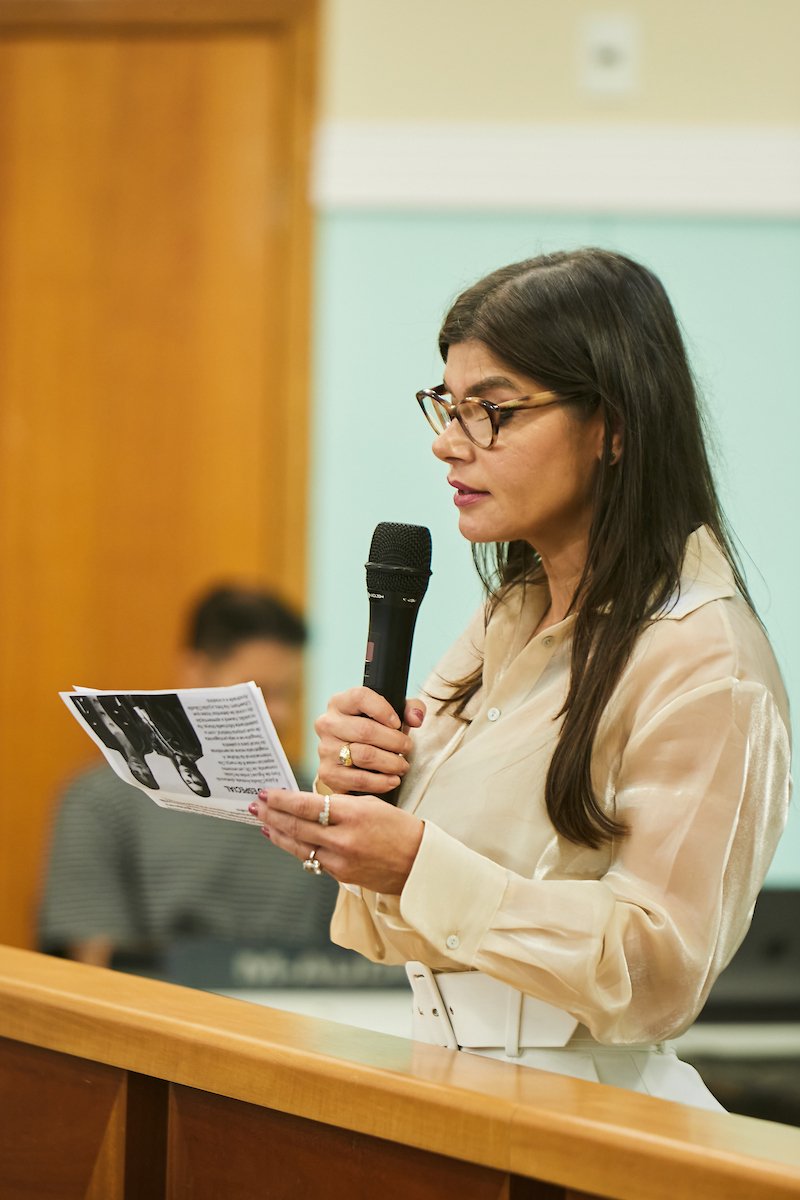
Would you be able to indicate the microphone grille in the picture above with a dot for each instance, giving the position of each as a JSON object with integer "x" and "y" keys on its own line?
{"x": 399, "y": 559}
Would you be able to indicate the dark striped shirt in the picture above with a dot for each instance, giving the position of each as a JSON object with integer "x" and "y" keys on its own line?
{"x": 122, "y": 867}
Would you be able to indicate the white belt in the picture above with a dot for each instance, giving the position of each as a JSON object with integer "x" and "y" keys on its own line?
{"x": 474, "y": 1011}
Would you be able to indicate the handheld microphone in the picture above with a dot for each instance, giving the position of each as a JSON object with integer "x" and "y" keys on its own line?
{"x": 398, "y": 571}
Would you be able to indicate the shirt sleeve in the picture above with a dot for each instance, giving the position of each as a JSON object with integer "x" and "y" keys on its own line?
{"x": 704, "y": 789}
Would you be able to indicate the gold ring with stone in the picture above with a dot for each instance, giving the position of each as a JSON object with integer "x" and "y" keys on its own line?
{"x": 345, "y": 757}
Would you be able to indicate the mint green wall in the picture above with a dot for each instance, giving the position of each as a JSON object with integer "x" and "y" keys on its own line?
{"x": 383, "y": 281}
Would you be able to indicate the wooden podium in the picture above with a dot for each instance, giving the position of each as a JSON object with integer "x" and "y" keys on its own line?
{"x": 116, "y": 1087}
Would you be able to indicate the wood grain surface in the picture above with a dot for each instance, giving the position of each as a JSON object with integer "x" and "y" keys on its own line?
{"x": 550, "y": 1128}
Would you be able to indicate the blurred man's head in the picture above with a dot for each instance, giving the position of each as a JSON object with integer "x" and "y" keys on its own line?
{"x": 236, "y": 634}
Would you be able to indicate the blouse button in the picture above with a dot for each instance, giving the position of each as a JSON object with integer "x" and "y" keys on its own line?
{"x": 493, "y": 714}
{"x": 548, "y": 641}
{"x": 453, "y": 942}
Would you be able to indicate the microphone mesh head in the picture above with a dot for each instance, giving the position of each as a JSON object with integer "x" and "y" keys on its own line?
{"x": 399, "y": 560}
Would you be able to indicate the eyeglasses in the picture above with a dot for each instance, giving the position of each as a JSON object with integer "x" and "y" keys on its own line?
{"x": 480, "y": 419}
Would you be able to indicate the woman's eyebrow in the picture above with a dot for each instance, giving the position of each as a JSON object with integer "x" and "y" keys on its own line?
{"x": 488, "y": 385}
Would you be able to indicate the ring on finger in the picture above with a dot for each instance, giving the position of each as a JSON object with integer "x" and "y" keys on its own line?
{"x": 345, "y": 755}
{"x": 324, "y": 817}
{"x": 311, "y": 864}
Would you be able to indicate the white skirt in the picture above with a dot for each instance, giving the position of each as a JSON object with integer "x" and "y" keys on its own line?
{"x": 652, "y": 1070}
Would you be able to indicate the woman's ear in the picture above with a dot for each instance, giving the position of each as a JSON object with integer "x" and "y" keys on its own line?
{"x": 615, "y": 451}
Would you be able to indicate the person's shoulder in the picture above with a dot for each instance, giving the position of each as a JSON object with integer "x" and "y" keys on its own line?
{"x": 691, "y": 649}
{"x": 98, "y": 784}
{"x": 722, "y": 636}
{"x": 707, "y": 621}
{"x": 717, "y": 646}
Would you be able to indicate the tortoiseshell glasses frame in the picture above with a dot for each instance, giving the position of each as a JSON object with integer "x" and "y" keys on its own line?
{"x": 480, "y": 419}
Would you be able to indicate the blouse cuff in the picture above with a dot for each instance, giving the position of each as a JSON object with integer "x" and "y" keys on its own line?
{"x": 451, "y": 895}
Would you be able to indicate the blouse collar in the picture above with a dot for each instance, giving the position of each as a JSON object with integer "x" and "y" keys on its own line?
{"x": 706, "y": 575}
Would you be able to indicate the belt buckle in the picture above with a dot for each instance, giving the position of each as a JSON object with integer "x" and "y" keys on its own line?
{"x": 430, "y": 1005}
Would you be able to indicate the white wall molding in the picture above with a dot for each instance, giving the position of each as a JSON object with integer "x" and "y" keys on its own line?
{"x": 730, "y": 170}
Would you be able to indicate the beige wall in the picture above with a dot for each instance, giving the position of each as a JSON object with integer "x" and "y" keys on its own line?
{"x": 518, "y": 60}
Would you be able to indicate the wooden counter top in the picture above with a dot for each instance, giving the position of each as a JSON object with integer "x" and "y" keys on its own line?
{"x": 581, "y": 1135}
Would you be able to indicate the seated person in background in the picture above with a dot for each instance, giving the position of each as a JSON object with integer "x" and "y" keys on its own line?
{"x": 126, "y": 879}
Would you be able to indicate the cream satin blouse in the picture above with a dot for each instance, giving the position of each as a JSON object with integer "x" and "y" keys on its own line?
{"x": 692, "y": 752}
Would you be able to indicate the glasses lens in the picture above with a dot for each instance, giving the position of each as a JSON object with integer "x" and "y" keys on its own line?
{"x": 476, "y": 421}
{"x": 434, "y": 411}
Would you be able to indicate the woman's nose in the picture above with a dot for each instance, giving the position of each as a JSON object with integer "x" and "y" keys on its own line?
{"x": 452, "y": 443}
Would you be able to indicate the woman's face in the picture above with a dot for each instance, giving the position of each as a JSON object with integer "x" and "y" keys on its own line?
{"x": 536, "y": 483}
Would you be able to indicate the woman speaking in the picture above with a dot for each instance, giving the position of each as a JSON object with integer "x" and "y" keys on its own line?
{"x": 594, "y": 786}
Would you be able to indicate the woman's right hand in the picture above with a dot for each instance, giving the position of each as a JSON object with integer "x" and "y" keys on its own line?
{"x": 379, "y": 746}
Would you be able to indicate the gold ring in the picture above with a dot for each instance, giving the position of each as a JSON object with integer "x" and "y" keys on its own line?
{"x": 345, "y": 757}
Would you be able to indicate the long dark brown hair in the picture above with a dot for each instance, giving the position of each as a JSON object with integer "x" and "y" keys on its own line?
{"x": 598, "y": 329}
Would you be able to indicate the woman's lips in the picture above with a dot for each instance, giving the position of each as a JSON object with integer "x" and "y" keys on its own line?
{"x": 465, "y": 496}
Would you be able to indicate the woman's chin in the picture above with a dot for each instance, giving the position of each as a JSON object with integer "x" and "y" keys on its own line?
{"x": 477, "y": 531}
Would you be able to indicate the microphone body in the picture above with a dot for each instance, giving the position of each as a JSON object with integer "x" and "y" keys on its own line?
{"x": 392, "y": 618}
{"x": 398, "y": 571}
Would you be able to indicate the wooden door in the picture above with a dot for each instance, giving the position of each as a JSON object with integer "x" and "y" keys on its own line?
{"x": 153, "y": 354}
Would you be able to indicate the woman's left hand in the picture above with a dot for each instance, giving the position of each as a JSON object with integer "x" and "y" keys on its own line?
{"x": 366, "y": 842}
